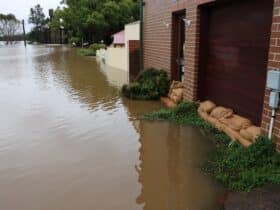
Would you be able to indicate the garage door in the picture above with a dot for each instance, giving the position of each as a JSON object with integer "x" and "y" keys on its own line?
{"x": 234, "y": 52}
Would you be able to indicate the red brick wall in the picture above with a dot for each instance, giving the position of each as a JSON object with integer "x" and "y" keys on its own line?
{"x": 157, "y": 39}
{"x": 273, "y": 62}
{"x": 157, "y": 45}
{"x": 134, "y": 66}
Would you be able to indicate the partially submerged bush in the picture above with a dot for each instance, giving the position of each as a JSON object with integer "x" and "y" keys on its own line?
{"x": 86, "y": 52}
{"x": 97, "y": 46}
{"x": 242, "y": 168}
{"x": 149, "y": 85}
{"x": 186, "y": 114}
{"x": 233, "y": 165}
{"x": 76, "y": 41}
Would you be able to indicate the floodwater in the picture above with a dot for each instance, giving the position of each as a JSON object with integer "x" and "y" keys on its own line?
{"x": 69, "y": 141}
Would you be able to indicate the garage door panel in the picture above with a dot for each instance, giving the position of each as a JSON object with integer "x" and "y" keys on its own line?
{"x": 234, "y": 61}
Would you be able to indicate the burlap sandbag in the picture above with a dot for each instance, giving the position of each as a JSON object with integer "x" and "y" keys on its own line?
{"x": 236, "y": 122}
{"x": 176, "y": 84}
{"x": 207, "y": 106}
{"x": 178, "y": 92}
{"x": 203, "y": 114}
{"x": 221, "y": 112}
{"x": 167, "y": 102}
{"x": 235, "y": 136}
{"x": 176, "y": 99}
{"x": 216, "y": 123}
{"x": 251, "y": 133}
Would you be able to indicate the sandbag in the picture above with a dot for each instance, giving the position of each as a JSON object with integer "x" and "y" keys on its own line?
{"x": 236, "y": 122}
{"x": 176, "y": 84}
{"x": 216, "y": 123}
{"x": 221, "y": 112}
{"x": 251, "y": 133}
{"x": 203, "y": 114}
{"x": 207, "y": 106}
{"x": 176, "y": 99}
{"x": 167, "y": 102}
{"x": 235, "y": 136}
{"x": 178, "y": 92}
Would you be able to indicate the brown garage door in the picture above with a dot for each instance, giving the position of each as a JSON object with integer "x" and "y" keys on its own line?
{"x": 234, "y": 53}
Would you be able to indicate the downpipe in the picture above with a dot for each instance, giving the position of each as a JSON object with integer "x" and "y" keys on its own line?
{"x": 273, "y": 115}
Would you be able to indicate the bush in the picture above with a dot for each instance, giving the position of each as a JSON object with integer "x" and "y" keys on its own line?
{"x": 186, "y": 114}
{"x": 97, "y": 46}
{"x": 242, "y": 168}
{"x": 86, "y": 52}
{"x": 236, "y": 167}
{"x": 149, "y": 85}
{"x": 75, "y": 40}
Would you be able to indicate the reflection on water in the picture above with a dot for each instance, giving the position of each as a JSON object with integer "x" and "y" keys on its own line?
{"x": 69, "y": 141}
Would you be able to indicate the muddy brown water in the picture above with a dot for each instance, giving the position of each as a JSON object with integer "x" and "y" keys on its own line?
{"x": 69, "y": 141}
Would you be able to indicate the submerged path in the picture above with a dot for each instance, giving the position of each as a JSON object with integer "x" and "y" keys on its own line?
{"x": 68, "y": 141}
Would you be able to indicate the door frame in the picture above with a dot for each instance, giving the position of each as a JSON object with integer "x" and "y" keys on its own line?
{"x": 178, "y": 34}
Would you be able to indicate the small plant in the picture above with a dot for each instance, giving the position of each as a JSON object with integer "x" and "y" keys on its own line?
{"x": 149, "y": 85}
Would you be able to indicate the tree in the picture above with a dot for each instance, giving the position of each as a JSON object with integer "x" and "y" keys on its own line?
{"x": 37, "y": 17}
{"x": 95, "y": 20}
{"x": 9, "y": 27}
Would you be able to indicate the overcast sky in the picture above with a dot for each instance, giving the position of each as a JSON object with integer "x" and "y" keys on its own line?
{"x": 21, "y": 8}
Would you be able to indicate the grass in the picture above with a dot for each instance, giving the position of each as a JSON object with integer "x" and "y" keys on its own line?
{"x": 236, "y": 167}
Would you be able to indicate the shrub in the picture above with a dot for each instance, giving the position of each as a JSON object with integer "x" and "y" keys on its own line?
{"x": 233, "y": 165}
{"x": 86, "y": 52}
{"x": 97, "y": 46}
{"x": 76, "y": 40}
{"x": 149, "y": 85}
{"x": 242, "y": 168}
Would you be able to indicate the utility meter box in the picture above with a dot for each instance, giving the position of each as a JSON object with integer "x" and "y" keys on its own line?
{"x": 273, "y": 80}
{"x": 274, "y": 100}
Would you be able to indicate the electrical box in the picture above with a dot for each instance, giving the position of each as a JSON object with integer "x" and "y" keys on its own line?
{"x": 273, "y": 80}
{"x": 274, "y": 100}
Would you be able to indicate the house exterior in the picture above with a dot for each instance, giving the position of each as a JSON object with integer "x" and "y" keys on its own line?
{"x": 221, "y": 50}
{"x": 123, "y": 54}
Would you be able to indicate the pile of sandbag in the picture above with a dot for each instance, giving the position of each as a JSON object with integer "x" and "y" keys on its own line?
{"x": 224, "y": 119}
{"x": 175, "y": 95}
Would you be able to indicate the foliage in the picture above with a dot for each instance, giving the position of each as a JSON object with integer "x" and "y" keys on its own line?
{"x": 186, "y": 114}
{"x": 56, "y": 19}
{"x": 86, "y": 52}
{"x": 96, "y": 20}
{"x": 149, "y": 85}
{"x": 233, "y": 165}
{"x": 242, "y": 168}
{"x": 9, "y": 27}
{"x": 97, "y": 46}
{"x": 37, "y": 17}
{"x": 91, "y": 51}
{"x": 75, "y": 40}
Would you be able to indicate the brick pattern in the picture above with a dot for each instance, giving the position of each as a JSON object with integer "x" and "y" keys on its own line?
{"x": 273, "y": 63}
{"x": 134, "y": 65}
{"x": 158, "y": 39}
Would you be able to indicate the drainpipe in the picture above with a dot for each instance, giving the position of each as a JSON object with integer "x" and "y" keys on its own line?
{"x": 141, "y": 36}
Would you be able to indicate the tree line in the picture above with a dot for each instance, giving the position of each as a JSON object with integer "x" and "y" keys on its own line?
{"x": 88, "y": 20}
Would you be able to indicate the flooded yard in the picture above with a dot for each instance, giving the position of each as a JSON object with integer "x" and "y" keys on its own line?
{"x": 69, "y": 141}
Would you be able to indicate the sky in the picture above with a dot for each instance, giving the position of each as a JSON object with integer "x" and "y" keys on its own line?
{"x": 21, "y": 8}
